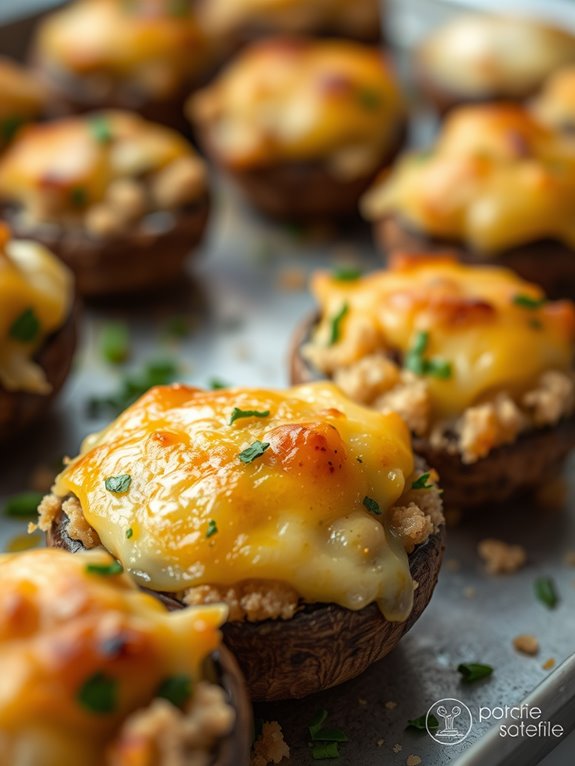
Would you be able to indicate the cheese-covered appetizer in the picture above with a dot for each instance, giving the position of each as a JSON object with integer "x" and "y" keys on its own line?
{"x": 125, "y": 54}
{"x": 482, "y": 57}
{"x": 498, "y": 186}
{"x": 37, "y": 330}
{"x": 94, "y": 672}
{"x": 120, "y": 199}
{"x": 302, "y": 125}
{"x": 476, "y": 360}
{"x": 270, "y": 501}
{"x": 22, "y": 99}
{"x": 555, "y": 105}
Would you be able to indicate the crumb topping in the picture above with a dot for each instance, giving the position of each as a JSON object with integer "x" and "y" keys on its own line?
{"x": 500, "y": 557}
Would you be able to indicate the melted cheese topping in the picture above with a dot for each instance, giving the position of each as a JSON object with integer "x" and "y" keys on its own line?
{"x": 496, "y": 178}
{"x": 22, "y": 97}
{"x": 555, "y": 106}
{"x": 31, "y": 278}
{"x": 299, "y": 16}
{"x": 154, "y": 45}
{"x": 66, "y": 165}
{"x": 294, "y": 514}
{"x": 486, "y": 56}
{"x": 473, "y": 322}
{"x": 292, "y": 100}
{"x": 60, "y": 626}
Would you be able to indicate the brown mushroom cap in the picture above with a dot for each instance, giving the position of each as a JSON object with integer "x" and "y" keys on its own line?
{"x": 323, "y": 644}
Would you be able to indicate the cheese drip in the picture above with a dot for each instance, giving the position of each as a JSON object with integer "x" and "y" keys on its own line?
{"x": 296, "y": 513}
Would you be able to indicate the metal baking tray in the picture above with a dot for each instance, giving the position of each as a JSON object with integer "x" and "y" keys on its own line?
{"x": 244, "y": 293}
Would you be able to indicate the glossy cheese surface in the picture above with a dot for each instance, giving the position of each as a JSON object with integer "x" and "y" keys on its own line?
{"x": 22, "y": 97}
{"x": 61, "y": 625}
{"x": 295, "y": 513}
{"x": 479, "y": 55}
{"x": 496, "y": 178}
{"x": 555, "y": 105}
{"x": 70, "y": 163}
{"x": 292, "y": 99}
{"x": 476, "y": 322}
{"x": 32, "y": 280}
{"x": 153, "y": 44}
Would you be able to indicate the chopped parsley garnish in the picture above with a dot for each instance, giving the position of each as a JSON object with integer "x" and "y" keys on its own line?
{"x": 212, "y": 528}
{"x": 346, "y": 273}
{"x": 25, "y": 327}
{"x": 325, "y": 741}
{"x": 317, "y": 722}
{"x": 370, "y": 99}
{"x": 237, "y": 413}
{"x": 416, "y": 362}
{"x": 118, "y": 484}
{"x": 325, "y": 751}
{"x": 335, "y": 324}
{"x": 115, "y": 342}
{"x": 546, "y": 592}
{"x": 473, "y": 671}
{"x": 9, "y": 126}
{"x": 100, "y": 129}
{"x": 24, "y": 504}
{"x": 105, "y": 570}
{"x": 330, "y": 735}
{"x": 129, "y": 533}
{"x": 422, "y": 482}
{"x": 528, "y": 301}
{"x": 78, "y": 196}
{"x": 372, "y": 505}
{"x": 216, "y": 384}
{"x": 176, "y": 689}
{"x": 255, "y": 450}
{"x": 99, "y": 694}
{"x": 419, "y": 724}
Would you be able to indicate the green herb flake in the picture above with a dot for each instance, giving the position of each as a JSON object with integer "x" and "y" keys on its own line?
{"x": 216, "y": 384}
{"x": 416, "y": 362}
{"x": 422, "y": 482}
{"x": 473, "y": 671}
{"x": 105, "y": 570}
{"x": 176, "y": 689}
{"x": 317, "y": 722}
{"x": 346, "y": 273}
{"x": 335, "y": 324}
{"x": 325, "y": 751}
{"x": 9, "y": 126}
{"x": 237, "y": 413}
{"x": 78, "y": 196}
{"x": 419, "y": 724}
{"x": 372, "y": 505}
{"x": 23, "y": 505}
{"x": 546, "y": 592}
{"x": 438, "y": 368}
{"x": 528, "y": 301}
{"x": 100, "y": 129}
{"x": 99, "y": 694}
{"x": 129, "y": 533}
{"x": 26, "y": 327}
{"x": 115, "y": 342}
{"x": 330, "y": 735}
{"x": 118, "y": 484}
{"x": 178, "y": 327}
{"x": 255, "y": 450}
{"x": 212, "y": 528}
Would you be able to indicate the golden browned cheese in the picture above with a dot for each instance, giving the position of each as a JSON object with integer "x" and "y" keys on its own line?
{"x": 555, "y": 105}
{"x": 22, "y": 98}
{"x": 154, "y": 46}
{"x": 63, "y": 168}
{"x": 482, "y": 55}
{"x": 487, "y": 330}
{"x": 496, "y": 178}
{"x": 360, "y": 17}
{"x": 82, "y": 649}
{"x": 292, "y": 100}
{"x": 36, "y": 294}
{"x": 292, "y": 508}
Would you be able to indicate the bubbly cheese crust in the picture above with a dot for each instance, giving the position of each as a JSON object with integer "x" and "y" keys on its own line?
{"x": 151, "y": 46}
{"x": 62, "y": 626}
{"x": 294, "y": 16}
{"x": 77, "y": 170}
{"x": 555, "y": 105}
{"x": 478, "y": 322}
{"x": 484, "y": 56}
{"x": 200, "y": 514}
{"x": 22, "y": 98}
{"x": 34, "y": 283}
{"x": 290, "y": 100}
{"x": 495, "y": 179}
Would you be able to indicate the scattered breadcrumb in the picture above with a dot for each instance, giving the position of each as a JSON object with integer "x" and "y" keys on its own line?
{"x": 413, "y": 760}
{"x": 469, "y": 592}
{"x": 500, "y": 557}
{"x": 397, "y": 748}
{"x": 292, "y": 279}
{"x": 251, "y": 600}
{"x": 380, "y": 742}
{"x": 548, "y": 664}
{"x": 570, "y": 558}
{"x": 526, "y": 644}
{"x": 270, "y": 746}
{"x": 391, "y": 705}
{"x": 453, "y": 565}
